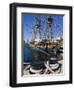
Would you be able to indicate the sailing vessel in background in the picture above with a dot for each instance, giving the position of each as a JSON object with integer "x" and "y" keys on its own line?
{"x": 40, "y": 37}
{"x": 46, "y": 50}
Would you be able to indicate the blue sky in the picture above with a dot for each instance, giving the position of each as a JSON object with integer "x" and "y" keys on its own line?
{"x": 28, "y": 21}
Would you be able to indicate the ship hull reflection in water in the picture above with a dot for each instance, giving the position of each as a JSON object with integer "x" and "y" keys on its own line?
{"x": 42, "y": 60}
{"x": 27, "y": 55}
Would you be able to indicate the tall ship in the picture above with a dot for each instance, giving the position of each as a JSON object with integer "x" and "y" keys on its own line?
{"x": 46, "y": 50}
{"x": 45, "y": 38}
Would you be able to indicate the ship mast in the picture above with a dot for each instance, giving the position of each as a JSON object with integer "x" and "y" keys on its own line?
{"x": 49, "y": 28}
{"x": 36, "y": 34}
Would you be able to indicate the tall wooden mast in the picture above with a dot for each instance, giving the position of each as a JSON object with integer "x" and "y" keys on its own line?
{"x": 49, "y": 28}
{"x": 36, "y": 34}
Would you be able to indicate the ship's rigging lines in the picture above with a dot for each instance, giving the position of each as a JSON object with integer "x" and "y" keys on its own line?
{"x": 59, "y": 34}
{"x": 40, "y": 32}
{"x": 42, "y": 28}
